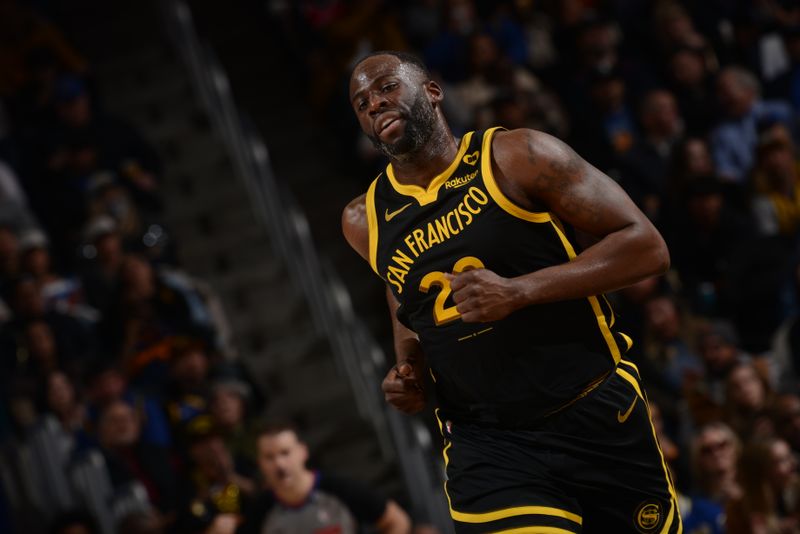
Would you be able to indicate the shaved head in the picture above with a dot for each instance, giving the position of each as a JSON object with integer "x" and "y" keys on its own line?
{"x": 405, "y": 58}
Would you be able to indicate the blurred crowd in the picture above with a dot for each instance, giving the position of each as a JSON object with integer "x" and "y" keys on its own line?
{"x": 102, "y": 336}
{"x": 692, "y": 108}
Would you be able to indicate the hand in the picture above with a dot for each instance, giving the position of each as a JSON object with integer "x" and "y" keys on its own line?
{"x": 402, "y": 386}
{"x": 482, "y": 296}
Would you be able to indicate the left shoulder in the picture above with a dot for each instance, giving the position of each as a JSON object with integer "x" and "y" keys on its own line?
{"x": 534, "y": 146}
{"x": 526, "y": 153}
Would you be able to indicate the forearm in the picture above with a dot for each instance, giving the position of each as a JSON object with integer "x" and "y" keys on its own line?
{"x": 618, "y": 260}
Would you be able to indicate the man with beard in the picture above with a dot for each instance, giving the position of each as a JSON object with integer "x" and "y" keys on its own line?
{"x": 545, "y": 425}
{"x": 314, "y": 502}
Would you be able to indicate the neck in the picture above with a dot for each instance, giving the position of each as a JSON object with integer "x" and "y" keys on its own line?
{"x": 297, "y": 490}
{"x": 419, "y": 167}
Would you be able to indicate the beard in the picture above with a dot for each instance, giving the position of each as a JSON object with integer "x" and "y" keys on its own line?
{"x": 419, "y": 128}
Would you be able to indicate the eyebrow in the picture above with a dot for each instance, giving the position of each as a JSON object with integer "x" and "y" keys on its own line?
{"x": 376, "y": 80}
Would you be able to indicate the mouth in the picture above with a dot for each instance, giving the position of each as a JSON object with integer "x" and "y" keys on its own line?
{"x": 387, "y": 125}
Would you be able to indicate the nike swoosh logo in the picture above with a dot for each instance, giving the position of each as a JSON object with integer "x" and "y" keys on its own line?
{"x": 622, "y": 417}
{"x": 390, "y": 216}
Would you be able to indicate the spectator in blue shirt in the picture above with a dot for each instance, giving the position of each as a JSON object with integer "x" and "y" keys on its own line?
{"x": 734, "y": 141}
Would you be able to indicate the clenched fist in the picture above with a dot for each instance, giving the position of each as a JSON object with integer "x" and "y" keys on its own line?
{"x": 481, "y": 296}
{"x": 403, "y": 386}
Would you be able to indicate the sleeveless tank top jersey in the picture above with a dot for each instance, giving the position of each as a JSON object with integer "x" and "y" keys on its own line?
{"x": 509, "y": 373}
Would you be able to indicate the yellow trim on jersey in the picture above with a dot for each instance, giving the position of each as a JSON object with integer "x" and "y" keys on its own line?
{"x": 673, "y": 508}
{"x": 535, "y": 530}
{"x": 426, "y": 196}
{"x": 505, "y": 513}
{"x": 372, "y": 224}
{"x": 598, "y": 311}
{"x": 495, "y": 192}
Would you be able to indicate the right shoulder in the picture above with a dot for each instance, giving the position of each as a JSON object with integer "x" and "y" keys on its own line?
{"x": 355, "y": 225}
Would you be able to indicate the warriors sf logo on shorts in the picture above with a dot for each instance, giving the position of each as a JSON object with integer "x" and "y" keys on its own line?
{"x": 647, "y": 516}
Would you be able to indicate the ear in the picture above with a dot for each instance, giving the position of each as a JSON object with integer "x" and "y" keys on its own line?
{"x": 435, "y": 92}
{"x": 304, "y": 452}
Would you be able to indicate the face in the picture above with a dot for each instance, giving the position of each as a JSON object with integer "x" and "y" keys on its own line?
{"x": 137, "y": 278}
{"x": 190, "y": 369}
{"x": 227, "y": 407}
{"x": 735, "y": 98}
{"x": 118, "y": 426}
{"x": 212, "y": 458}
{"x": 717, "y": 451}
{"x": 698, "y": 158}
{"x": 41, "y": 344}
{"x": 717, "y": 354}
{"x": 281, "y": 458}
{"x": 705, "y": 209}
{"x": 783, "y": 465}
{"x": 745, "y": 389}
{"x": 60, "y": 393}
{"x": 660, "y": 115}
{"x": 37, "y": 261}
{"x": 107, "y": 387}
{"x": 394, "y": 105}
{"x": 687, "y": 68}
{"x": 662, "y": 318}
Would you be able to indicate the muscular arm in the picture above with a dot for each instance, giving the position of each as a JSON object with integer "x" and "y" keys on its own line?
{"x": 402, "y": 385}
{"x": 537, "y": 171}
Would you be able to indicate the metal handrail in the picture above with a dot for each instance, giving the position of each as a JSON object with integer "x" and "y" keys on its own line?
{"x": 354, "y": 348}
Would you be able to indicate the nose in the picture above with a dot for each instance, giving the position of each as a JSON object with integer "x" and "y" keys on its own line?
{"x": 376, "y": 102}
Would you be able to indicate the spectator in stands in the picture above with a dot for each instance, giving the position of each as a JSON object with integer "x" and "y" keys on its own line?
{"x": 106, "y": 384}
{"x": 74, "y": 341}
{"x": 130, "y": 459}
{"x": 669, "y": 356}
{"x": 692, "y": 85}
{"x": 609, "y": 130}
{"x": 61, "y": 400}
{"x": 704, "y": 241}
{"x": 229, "y": 409}
{"x": 747, "y": 402}
{"x": 767, "y": 473}
{"x": 491, "y": 75}
{"x": 187, "y": 392}
{"x": 23, "y": 30}
{"x": 786, "y": 419}
{"x": 216, "y": 486}
{"x": 715, "y": 453}
{"x": 63, "y": 294}
{"x": 734, "y": 141}
{"x": 776, "y": 205}
{"x": 691, "y": 159}
{"x": 105, "y": 253}
{"x": 146, "y": 317}
{"x": 644, "y": 168}
{"x": 302, "y": 500}
{"x": 718, "y": 346}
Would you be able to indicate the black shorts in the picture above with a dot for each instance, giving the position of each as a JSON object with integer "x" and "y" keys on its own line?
{"x": 593, "y": 467}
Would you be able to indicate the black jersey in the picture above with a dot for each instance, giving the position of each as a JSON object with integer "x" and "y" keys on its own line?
{"x": 507, "y": 373}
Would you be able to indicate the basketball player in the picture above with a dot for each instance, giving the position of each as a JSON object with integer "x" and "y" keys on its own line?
{"x": 545, "y": 423}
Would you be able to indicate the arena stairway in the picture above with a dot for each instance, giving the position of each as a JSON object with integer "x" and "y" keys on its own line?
{"x": 220, "y": 240}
